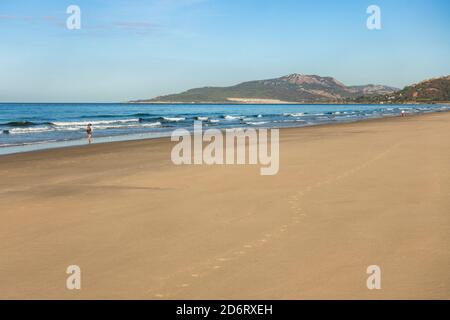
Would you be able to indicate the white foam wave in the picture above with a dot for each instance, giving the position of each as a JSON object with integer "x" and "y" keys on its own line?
{"x": 122, "y": 126}
{"x": 228, "y": 117}
{"x": 74, "y": 127}
{"x": 257, "y": 123}
{"x": 29, "y": 130}
{"x": 173, "y": 119}
{"x": 299, "y": 114}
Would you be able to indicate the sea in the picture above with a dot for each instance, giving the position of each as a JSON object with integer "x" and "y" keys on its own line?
{"x": 33, "y": 126}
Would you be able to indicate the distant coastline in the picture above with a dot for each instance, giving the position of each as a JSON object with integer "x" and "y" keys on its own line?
{"x": 310, "y": 89}
{"x": 281, "y": 103}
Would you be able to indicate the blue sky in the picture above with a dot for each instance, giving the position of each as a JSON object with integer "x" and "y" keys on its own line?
{"x": 129, "y": 49}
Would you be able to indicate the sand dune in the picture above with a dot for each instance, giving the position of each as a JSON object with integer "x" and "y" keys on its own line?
{"x": 346, "y": 196}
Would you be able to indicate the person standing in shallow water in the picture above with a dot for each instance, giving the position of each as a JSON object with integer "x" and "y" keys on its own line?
{"x": 89, "y": 133}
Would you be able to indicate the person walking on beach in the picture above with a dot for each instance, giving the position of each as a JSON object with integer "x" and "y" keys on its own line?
{"x": 89, "y": 133}
{"x": 403, "y": 113}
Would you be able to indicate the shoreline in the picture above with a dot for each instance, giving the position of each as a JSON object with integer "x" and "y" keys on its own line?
{"x": 36, "y": 147}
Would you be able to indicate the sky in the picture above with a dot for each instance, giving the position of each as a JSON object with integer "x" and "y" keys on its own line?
{"x": 135, "y": 49}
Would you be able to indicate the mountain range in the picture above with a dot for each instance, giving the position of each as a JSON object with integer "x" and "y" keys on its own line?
{"x": 428, "y": 91}
{"x": 299, "y": 88}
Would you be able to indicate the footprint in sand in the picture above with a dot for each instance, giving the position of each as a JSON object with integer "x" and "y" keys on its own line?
{"x": 248, "y": 246}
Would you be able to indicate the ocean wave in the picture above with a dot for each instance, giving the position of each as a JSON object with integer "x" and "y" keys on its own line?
{"x": 111, "y": 126}
{"x": 77, "y": 128}
{"x": 229, "y": 117}
{"x": 257, "y": 123}
{"x": 141, "y": 114}
{"x": 29, "y": 130}
{"x": 24, "y": 123}
{"x": 154, "y": 124}
{"x": 140, "y": 125}
{"x": 299, "y": 114}
{"x": 201, "y": 118}
{"x": 151, "y": 119}
{"x": 173, "y": 119}
{"x": 19, "y": 124}
{"x": 80, "y": 126}
{"x": 93, "y": 122}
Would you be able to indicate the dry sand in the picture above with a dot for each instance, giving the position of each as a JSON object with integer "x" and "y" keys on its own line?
{"x": 347, "y": 196}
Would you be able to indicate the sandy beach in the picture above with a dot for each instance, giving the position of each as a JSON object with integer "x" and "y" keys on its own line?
{"x": 346, "y": 196}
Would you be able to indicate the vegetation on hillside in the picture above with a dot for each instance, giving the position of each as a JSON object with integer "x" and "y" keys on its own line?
{"x": 292, "y": 88}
